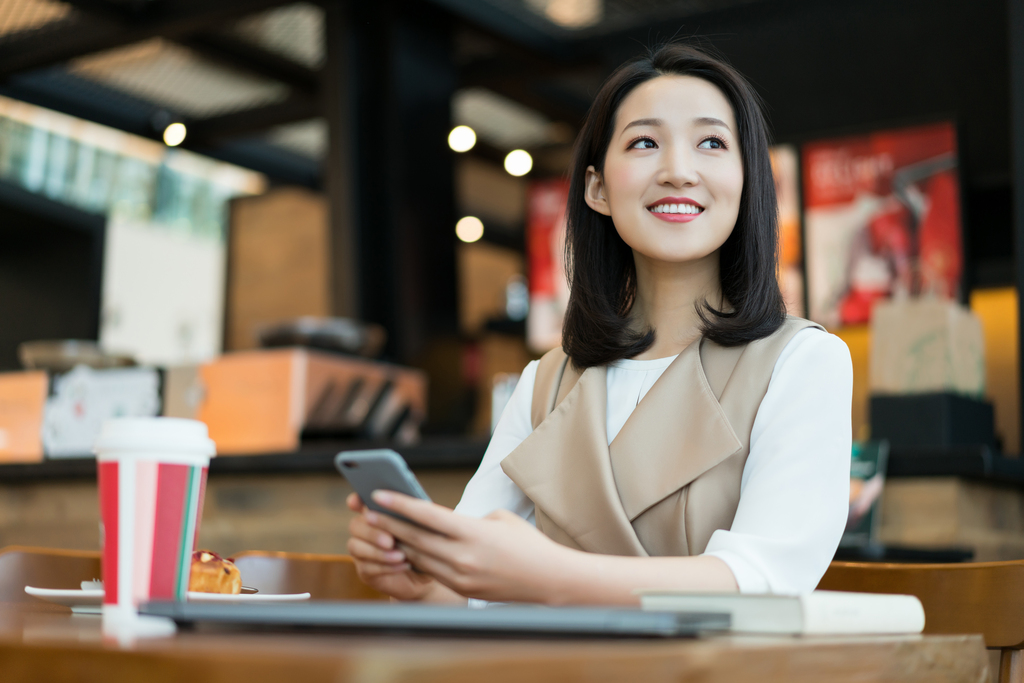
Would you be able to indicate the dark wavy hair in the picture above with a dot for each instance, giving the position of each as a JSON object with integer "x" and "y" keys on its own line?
{"x": 600, "y": 266}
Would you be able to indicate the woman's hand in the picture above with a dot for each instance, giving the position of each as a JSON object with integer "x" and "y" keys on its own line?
{"x": 501, "y": 557}
{"x": 379, "y": 562}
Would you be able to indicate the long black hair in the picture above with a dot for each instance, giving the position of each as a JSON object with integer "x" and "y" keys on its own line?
{"x": 600, "y": 266}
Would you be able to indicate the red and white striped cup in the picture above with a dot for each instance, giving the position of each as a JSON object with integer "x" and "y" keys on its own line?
{"x": 152, "y": 478}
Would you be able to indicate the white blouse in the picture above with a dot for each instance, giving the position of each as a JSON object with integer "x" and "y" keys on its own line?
{"x": 794, "y": 492}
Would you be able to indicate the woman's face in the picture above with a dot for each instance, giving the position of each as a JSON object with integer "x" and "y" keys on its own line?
{"x": 673, "y": 174}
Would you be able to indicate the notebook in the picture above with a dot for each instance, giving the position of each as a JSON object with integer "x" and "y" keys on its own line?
{"x": 523, "y": 620}
{"x": 818, "y": 612}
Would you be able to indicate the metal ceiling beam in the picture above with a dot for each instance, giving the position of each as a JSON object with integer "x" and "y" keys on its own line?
{"x": 298, "y": 107}
{"x": 87, "y": 33}
{"x": 248, "y": 57}
{"x": 519, "y": 90}
{"x": 519, "y": 26}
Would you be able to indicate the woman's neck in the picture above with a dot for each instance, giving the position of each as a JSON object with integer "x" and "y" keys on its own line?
{"x": 667, "y": 296}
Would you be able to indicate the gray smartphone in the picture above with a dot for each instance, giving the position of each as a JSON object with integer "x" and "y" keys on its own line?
{"x": 380, "y": 468}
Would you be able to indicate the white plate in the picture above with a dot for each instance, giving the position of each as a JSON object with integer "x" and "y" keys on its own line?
{"x": 247, "y": 597}
{"x": 89, "y": 601}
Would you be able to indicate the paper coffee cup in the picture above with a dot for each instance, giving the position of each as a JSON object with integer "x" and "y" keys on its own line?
{"x": 152, "y": 478}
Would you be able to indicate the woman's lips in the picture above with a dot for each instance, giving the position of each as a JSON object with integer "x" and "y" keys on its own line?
{"x": 682, "y": 211}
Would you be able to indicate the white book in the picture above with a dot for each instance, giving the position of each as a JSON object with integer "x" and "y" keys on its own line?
{"x": 819, "y": 612}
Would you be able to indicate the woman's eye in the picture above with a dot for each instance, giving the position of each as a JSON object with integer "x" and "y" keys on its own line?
{"x": 712, "y": 143}
{"x": 643, "y": 143}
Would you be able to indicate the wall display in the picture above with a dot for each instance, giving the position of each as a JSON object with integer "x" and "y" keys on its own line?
{"x": 882, "y": 215}
{"x": 545, "y": 246}
{"x": 166, "y": 212}
{"x": 163, "y": 293}
{"x": 785, "y": 169}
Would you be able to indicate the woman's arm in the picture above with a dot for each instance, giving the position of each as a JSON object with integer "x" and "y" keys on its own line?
{"x": 505, "y": 558}
{"x": 381, "y": 565}
{"x": 794, "y": 493}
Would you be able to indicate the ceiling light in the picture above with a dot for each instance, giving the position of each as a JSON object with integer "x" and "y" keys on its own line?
{"x": 518, "y": 162}
{"x": 469, "y": 229}
{"x": 462, "y": 138}
{"x": 571, "y": 14}
{"x": 174, "y": 134}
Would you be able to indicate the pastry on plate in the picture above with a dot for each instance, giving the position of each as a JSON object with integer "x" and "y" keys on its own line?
{"x": 213, "y": 574}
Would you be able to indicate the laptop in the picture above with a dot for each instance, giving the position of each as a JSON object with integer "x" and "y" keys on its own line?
{"x": 506, "y": 620}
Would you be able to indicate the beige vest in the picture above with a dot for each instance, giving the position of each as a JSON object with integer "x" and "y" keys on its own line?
{"x": 671, "y": 476}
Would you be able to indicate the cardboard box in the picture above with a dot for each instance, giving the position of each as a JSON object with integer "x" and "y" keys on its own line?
{"x": 22, "y": 401}
{"x": 262, "y": 401}
{"x": 926, "y": 345}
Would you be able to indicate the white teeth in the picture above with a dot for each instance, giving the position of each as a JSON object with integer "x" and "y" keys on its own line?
{"x": 676, "y": 208}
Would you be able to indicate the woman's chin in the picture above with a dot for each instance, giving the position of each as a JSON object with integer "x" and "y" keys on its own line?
{"x": 676, "y": 253}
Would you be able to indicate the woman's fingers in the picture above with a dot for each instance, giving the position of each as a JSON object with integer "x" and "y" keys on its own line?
{"x": 359, "y": 528}
{"x": 354, "y": 502}
{"x": 370, "y": 570}
{"x": 367, "y": 552}
{"x": 431, "y": 515}
{"x": 428, "y": 564}
{"x": 410, "y": 534}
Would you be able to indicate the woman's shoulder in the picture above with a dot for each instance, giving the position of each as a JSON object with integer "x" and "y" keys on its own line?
{"x": 805, "y": 338}
{"x": 813, "y": 352}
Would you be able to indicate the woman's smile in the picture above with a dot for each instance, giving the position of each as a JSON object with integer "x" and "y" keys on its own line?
{"x": 676, "y": 209}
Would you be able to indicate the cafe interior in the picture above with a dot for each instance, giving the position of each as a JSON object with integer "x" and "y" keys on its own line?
{"x": 327, "y": 226}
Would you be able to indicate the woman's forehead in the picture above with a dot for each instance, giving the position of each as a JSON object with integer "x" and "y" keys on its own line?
{"x": 674, "y": 101}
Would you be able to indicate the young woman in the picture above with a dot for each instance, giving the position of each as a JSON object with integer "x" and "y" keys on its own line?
{"x": 688, "y": 434}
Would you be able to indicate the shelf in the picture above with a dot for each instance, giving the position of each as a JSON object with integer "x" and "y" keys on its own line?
{"x": 429, "y": 454}
{"x": 969, "y": 462}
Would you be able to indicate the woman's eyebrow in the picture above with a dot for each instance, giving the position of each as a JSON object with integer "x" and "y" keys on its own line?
{"x": 711, "y": 121}
{"x": 644, "y": 122}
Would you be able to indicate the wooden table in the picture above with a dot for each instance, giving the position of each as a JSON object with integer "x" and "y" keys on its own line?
{"x": 40, "y": 642}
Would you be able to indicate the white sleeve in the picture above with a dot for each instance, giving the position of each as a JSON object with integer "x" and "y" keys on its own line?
{"x": 490, "y": 488}
{"x": 794, "y": 494}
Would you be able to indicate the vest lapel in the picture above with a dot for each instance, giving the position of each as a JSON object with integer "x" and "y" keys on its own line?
{"x": 676, "y": 433}
{"x": 565, "y": 469}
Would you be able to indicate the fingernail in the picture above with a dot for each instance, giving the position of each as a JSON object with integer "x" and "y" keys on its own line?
{"x": 382, "y": 497}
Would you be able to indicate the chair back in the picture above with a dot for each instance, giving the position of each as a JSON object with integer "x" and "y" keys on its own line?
{"x": 324, "y": 577}
{"x": 982, "y": 597}
{"x": 44, "y": 568}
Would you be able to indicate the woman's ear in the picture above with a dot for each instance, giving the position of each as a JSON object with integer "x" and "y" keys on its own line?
{"x": 594, "y": 192}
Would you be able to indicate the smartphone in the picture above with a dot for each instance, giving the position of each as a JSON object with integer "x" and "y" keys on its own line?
{"x": 380, "y": 468}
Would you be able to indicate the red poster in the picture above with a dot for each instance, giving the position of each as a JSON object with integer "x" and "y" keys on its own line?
{"x": 882, "y": 214}
{"x": 545, "y": 242}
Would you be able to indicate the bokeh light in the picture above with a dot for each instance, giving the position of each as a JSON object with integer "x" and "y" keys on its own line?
{"x": 469, "y": 229}
{"x": 174, "y": 134}
{"x": 462, "y": 138}
{"x": 518, "y": 162}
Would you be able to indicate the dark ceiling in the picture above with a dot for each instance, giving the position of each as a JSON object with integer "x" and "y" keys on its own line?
{"x": 245, "y": 74}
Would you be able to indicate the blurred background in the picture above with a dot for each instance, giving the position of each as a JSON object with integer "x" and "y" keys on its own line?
{"x": 327, "y": 224}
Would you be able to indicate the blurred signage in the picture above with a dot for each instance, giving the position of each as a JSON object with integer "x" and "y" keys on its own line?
{"x": 882, "y": 216}
{"x": 106, "y": 171}
{"x": 545, "y": 246}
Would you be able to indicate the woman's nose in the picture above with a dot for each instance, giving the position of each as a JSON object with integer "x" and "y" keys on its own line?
{"x": 678, "y": 169}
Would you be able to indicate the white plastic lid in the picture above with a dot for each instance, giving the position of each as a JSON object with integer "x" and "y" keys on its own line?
{"x": 155, "y": 435}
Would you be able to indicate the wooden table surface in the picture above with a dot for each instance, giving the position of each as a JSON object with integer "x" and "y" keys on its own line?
{"x": 40, "y": 642}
